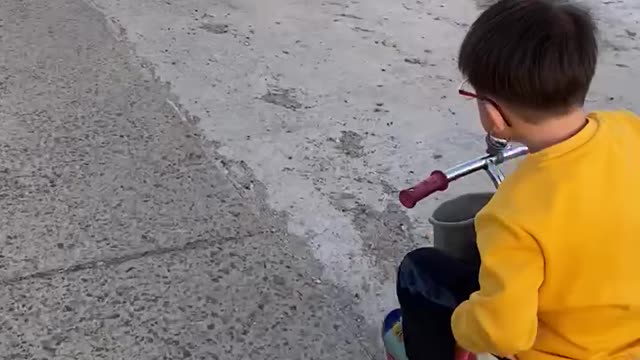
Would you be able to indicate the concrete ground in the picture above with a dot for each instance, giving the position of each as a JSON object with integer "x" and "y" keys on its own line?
{"x": 205, "y": 179}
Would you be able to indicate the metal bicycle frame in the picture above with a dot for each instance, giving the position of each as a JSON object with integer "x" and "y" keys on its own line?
{"x": 489, "y": 163}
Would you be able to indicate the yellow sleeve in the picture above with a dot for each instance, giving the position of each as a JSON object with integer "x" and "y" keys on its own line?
{"x": 501, "y": 318}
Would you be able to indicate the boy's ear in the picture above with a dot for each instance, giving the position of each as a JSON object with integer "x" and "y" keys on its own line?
{"x": 497, "y": 126}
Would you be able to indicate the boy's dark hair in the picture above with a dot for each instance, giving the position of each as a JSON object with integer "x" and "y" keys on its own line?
{"x": 538, "y": 55}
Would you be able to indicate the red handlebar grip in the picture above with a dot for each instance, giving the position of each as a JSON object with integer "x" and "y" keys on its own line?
{"x": 437, "y": 181}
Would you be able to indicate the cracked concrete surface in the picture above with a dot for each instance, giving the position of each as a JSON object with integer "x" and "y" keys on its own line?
{"x": 238, "y": 299}
{"x": 94, "y": 162}
{"x": 124, "y": 234}
{"x": 217, "y": 179}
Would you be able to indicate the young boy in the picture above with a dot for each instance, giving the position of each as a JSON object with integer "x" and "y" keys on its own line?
{"x": 560, "y": 240}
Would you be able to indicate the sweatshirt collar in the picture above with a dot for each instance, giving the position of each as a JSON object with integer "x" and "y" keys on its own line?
{"x": 572, "y": 143}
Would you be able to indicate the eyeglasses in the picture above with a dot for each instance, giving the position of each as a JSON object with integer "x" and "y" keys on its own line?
{"x": 470, "y": 95}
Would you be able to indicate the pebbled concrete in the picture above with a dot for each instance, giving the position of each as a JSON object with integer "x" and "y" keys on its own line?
{"x": 124, "y": 234}
{"x": 95, "y": 162}
{"x": 251, "y": 298}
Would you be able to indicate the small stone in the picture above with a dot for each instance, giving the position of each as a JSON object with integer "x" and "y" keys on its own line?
{"x": 413, "y": 61}
{"x": 215, "y": 28}
{"x": 279, "y": 280}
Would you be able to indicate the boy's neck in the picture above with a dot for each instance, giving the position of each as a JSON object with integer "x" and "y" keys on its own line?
{"x": 553, "y": 130}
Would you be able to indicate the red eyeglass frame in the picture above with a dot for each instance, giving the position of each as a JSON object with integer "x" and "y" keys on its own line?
{"x": 469, "y": 94}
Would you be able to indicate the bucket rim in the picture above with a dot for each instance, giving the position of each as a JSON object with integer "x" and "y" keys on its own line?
{"x": 434, "y": 221}
{"x": 483, "y": 196}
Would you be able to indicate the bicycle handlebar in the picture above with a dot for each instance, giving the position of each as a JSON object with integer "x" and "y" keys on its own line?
{"x": 439, "y": 180}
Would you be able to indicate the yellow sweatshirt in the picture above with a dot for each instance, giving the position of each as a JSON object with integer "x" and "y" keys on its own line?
{"x": 560, "y": 250}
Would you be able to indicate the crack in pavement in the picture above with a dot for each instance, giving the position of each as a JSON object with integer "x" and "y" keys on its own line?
{"x": 118, "y": 260}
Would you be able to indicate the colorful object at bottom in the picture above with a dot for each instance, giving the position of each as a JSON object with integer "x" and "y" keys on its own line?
{"x": 392, "y": 336}
{"x": 394, "y": 344}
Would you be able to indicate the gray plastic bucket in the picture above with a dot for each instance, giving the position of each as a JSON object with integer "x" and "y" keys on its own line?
{"x": 453, "y": 226}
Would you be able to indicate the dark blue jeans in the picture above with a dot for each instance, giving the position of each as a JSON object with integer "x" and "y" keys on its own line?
{"x": 430, "y": 286}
